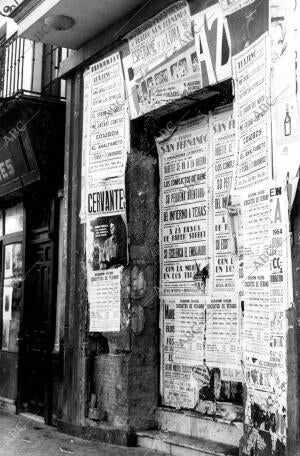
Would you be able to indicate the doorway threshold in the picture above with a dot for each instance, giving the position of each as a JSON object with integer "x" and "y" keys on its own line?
{"x": 33, "y": 417}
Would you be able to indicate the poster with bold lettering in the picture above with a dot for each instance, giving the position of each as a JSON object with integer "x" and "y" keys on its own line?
{"x": 178, "y": 387}
{"x": 222, "y": 141}
{"x": 106, "y": 252}
{"x": 184, "y": 221}
{"x": 213, "y": 44}
{"x": 109, "y": 126}
{"x": 162, "y": 65}
{"x": 251, "y": 69}
{"x": 266, "y": 258}
{"x": 85, "y": 141}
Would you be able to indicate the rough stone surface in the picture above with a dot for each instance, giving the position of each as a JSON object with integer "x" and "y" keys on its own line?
{"x": 20, "y": 436}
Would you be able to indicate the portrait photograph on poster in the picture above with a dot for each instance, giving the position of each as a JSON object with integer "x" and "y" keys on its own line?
{"x": 110, "y": 242}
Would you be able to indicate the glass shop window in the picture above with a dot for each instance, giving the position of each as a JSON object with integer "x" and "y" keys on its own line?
{"x": 11, "y": 239}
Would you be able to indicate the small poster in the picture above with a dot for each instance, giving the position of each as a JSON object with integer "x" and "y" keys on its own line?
{"x": 105, "y": 300}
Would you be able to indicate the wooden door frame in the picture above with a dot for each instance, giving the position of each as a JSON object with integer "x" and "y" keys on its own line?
{"x": 52, "y": 233}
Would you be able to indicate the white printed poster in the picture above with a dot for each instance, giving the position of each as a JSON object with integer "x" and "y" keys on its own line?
{"x": 266, "y": 257}
{"x": 163, "y": 65}
{"x": 222, "y": 134}
{"x": 252, "y": 86}
{"x": 107, "y": 252}
{"x": 222, "y": 333}
{"x": 178, "y": 387}
{"x": 109, "y": 125}
{"x": 183, "y": 160}
{"x": 189, "y": 330}
{"x": 105, "y": 300}
{"x": 85, "y": 141}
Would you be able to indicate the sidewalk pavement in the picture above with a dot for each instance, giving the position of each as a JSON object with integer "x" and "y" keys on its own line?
{"x": 20, "y": 436}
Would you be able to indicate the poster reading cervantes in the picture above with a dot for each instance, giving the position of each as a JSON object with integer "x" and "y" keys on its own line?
{"x": 105, "y": 147}
{"x": 106, "y": 252}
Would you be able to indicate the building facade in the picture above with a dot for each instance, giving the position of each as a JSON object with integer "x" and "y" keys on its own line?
{"x": 171, "y": 313}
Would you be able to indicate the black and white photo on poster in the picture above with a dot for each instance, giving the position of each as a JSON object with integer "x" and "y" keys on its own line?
{"x": 106, "y": 252}
{"x": 162, "y": 63}
{"x": 110, "y": 242}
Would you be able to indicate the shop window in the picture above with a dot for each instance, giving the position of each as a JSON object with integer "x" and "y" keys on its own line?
{"x": 11, "y": 251}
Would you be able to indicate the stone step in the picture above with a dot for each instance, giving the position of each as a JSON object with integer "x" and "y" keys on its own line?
{"x": 182, "y": 445}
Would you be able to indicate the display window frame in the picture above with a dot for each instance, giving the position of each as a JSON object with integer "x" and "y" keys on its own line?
{"x": 14, "y": 238}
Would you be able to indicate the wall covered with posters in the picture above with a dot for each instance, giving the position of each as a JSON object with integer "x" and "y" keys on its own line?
{"x": 225, "y": 194}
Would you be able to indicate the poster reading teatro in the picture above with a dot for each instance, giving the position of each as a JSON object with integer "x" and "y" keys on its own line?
{"x": 183, "y": 205}
{"x": 163, "y": 64}
{"x": 109, "y": 127}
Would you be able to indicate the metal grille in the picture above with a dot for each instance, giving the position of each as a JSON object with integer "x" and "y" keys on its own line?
{"x": 20, "y": 69}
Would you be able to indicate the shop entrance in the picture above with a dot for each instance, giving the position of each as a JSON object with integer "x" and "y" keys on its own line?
{"x": 38, "y": 323}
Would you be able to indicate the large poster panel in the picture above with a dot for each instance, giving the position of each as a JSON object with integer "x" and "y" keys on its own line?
{"x": 163, "y": 64}
{"x": 106, "y": 251}
{"x": 252, "y": 85}
{"x": 183, "y": 160}
{"x": 284, "y": 36}
{"x": 178, "y": 389}
{"x": 222, "y": 134}
{"x": 109, "y": 128}
{"x": 266, "y": 239}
